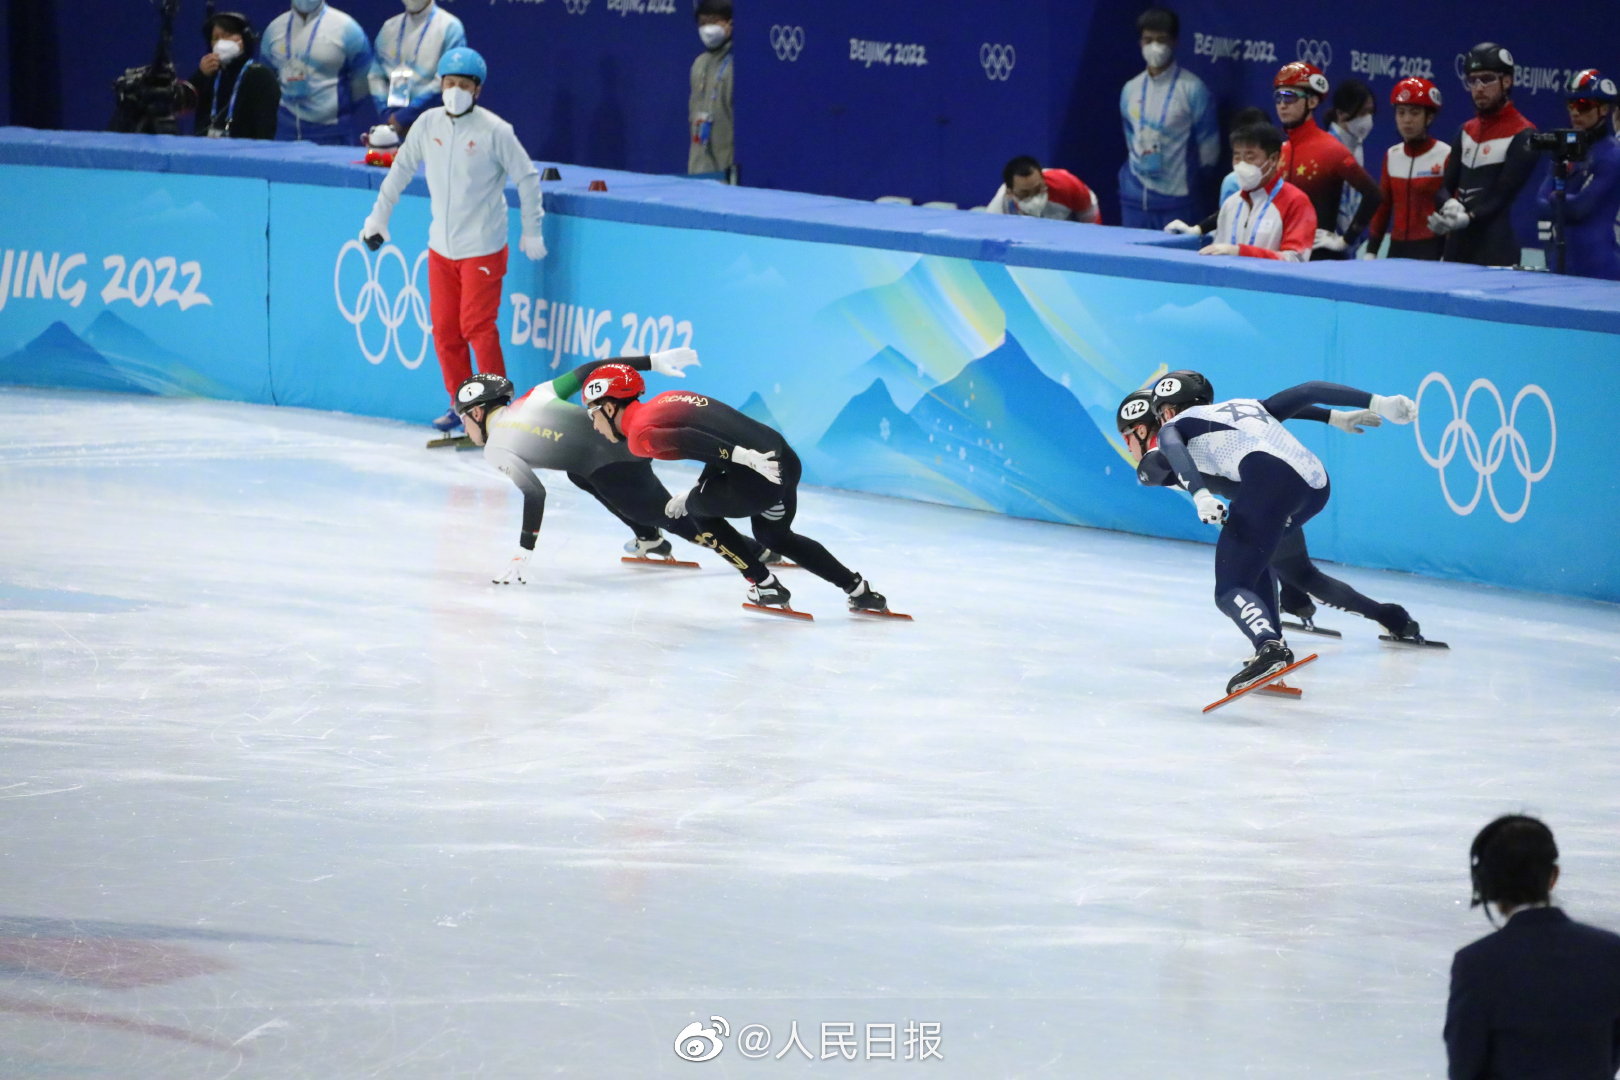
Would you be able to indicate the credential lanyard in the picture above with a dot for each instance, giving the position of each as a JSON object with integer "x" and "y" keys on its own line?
{"x": 286, "y": 44}
{"x": 230, "y": 114}
{"x": 714, "y": 87}
{"x": 399, "y": 45}
{"x": 1164, "y": 113}
{"x": 1259, "y": 217}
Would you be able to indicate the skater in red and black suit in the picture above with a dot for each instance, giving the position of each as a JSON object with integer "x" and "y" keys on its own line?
{"x": 1491, "y": 161}
{"x": 749, "y": 471}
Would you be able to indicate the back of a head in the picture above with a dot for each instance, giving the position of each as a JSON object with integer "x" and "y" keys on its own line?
{"x": 1160, "y": 21}
{"x": 1512, "y": 861}
{"x": 1264, "y": 135}
{"x": 1022, "y": 165}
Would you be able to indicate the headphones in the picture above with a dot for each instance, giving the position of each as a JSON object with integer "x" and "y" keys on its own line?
{"x": 232, "y": 22}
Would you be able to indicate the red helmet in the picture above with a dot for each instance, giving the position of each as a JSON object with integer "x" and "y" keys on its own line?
{"x": 620, "y": 382}
{"x": 1415, "y": 91}
{"x": 1301, "y": 76}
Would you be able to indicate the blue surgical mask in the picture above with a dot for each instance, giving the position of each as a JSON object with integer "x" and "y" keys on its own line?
{"x": 306, "y": 7}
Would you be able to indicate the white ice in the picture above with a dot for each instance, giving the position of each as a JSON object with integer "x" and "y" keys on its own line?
{"x": 290, "y": 790}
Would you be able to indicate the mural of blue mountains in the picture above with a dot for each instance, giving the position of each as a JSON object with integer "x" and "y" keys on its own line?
{"x": 110, "y": 355}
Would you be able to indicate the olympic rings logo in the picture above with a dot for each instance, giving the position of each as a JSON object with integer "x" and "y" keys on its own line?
{"x": 998, "y": 61}
{"x": 1486, "y": 460}
{"x": 374, "y": 304}
{"x": 1315, "y": 52}
{"x": 576, "y": 7}
{"x": 788, "y": 42}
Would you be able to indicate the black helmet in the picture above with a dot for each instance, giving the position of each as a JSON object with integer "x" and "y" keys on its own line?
{"x": 1137, "y": 408}
{"x": 1488, "y": 56}
{"x": 1181, "y": 389}
{"x": 482, "y": 389}
{"x": 232, "y": 22}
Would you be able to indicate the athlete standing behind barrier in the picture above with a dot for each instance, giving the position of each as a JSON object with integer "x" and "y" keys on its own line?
{"x": 470, "y": 153}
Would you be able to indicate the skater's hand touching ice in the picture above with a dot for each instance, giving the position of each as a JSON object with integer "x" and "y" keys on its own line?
{"x": 765, "y": 464}
{"x": 516, "y": 570}
{"x": 1354, "y": 422}
{"x": 1211, "y": 511}
{"x": 674, "y": 362}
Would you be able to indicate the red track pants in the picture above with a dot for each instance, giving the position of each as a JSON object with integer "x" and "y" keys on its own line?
{"x": 466, "y": 297}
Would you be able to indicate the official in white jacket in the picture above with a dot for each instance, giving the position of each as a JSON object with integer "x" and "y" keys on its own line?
{"x": 470, "y": 154}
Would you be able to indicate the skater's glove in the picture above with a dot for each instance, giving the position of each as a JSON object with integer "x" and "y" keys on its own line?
{"x": 1400, "y": 409}
{"x": 765, "y": 464}
{"x": 676, "y": 507}
{"x": 1211, "y": 511}
{"x": 1328, "y": 241}
{"x": 533, "y": 245}
{"x": 1181, "y": 228}
{"x": 516, "y": 571}
{"x": 1354, "y": 422}
{"x": 374, "y": 233}
{"x": 673, "y": 362}
{"x": 1456, "y": 215}
{"x": 1438, "y": 224}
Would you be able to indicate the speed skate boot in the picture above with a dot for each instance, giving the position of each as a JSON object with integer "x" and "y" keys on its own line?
{"x": 1305, "y": 612}
{"x": 769, "y": 558}
{"x": 864, "y": 598}
{"x": 449, "y": 423}
{"x": 645, "y": 549}
{"x": 1272, "y": 658}
{"x": 769, "y": 593}
{"x": 1398, "y": 621}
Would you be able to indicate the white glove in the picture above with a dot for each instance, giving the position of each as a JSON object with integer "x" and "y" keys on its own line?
{"x": 765, "y": 464}
{"x": 1181, "y": 228}
{"x": 1328, "y": 241}
{"x": 374, "y": 233}
{"x": 382, "y": 137}
{"x": 1456, "y": 214}
{"x": 533, "y": 245}
{"x": 676, "y": 507}
{"x": 1399, "y": 409}
{"x": 515, "y": 570}
{"x": 1354, "y": 422}
{"x": 1439, "y": 224}
{"x": 1211, "y": 511}
{"x": 672, "y": 362}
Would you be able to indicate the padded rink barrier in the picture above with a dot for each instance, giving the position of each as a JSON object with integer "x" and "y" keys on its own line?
{"x": 929, "y": 354}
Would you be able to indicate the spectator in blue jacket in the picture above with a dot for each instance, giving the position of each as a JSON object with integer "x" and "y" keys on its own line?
{"x": 1169, "y": 116}
{"x": 1592, "y": 191}
{"x": 323, "y": 61}
{"x": 404, "y": 79}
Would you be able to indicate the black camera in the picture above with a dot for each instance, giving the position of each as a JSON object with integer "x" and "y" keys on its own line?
{"x": 1564, "y": 144}
{"x": 149, "y": 99}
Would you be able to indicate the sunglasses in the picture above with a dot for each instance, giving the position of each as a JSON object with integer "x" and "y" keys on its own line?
{"x": 1286, "y": 96}
{"x": 1489, "y": 78}
{"x": 1583, "y": 105}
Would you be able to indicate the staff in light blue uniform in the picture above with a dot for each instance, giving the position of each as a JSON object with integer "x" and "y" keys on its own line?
{"x": 1165, "y": 108}
{"x": 323, "y": 61}
{"x": 403, "y": 80}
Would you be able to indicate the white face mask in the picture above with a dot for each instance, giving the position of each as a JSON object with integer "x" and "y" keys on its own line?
{"x": 1157, "y": 54}
{"x": 712, "y": 35}
{"x": 1359, "y": 128}
{"x": 227, "y": 50}
{"x": 306, "y": 7}
{"x": 1033, "y": 205}
{"x": 1248, "y": 175}
{"x": 457, "y": 100}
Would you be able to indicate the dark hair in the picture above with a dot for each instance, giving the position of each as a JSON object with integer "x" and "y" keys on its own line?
{"x": 232, "y": 23}
{"x": 1265, "y": 136}
{"x": 722, "y": 8}
{"x": 1351, "y": 95}
{"x": 1248, "y": 116}
{"x": 1158, "y": 19}
{"x": 1022, "y": 165}
{"x": 1512, "y": 862}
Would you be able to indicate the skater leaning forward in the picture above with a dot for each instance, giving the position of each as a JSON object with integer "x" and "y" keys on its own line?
{"x": 1283, "y": 485}
{"x": 749, "y": 471}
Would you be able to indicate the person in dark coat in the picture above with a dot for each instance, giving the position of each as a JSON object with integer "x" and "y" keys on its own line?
{"x": 237, "y": 96}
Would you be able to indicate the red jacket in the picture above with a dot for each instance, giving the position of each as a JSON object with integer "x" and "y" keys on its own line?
{"x": 1411, "y": 183}
{"x": 1280, "y": 224}
{"x": 1320, "y": 166}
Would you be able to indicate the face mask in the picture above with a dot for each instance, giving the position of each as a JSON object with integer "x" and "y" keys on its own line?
{"x": 306, "y": 7}
{"x": 1248, "y": 175}
{"x": 713, "y": 36}
{"x": 1033, "y": 205}
{"x": 457, "y": 100}
{"x": 1157, "y": 54}
{"x": 1359, "y": 128}
{"x": 414, "y": 7}
{"x": 227, "y": 50}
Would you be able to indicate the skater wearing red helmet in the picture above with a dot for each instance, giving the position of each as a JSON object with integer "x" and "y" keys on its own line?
{"x": 1414, "y": 170}
{"x": 1317, "y": 163}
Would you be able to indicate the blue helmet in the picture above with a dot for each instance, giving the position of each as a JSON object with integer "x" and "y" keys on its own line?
{"x": 1591, "y": 85}
{"x": 463, "y": 61}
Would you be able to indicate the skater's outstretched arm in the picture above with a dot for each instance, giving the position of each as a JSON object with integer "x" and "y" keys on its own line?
{"x": 1296, "y": 400}
{"x": 671, "y": 362}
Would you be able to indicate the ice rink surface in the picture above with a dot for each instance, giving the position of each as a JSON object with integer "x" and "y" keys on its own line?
{"x": 290, "y": 790}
